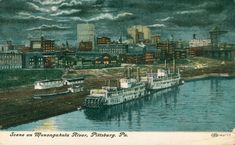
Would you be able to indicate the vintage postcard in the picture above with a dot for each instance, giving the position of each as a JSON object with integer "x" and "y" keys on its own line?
{"x": 117, "y": 72}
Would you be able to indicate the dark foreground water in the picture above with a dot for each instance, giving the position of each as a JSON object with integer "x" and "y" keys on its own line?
{"x": 203, "y": 105}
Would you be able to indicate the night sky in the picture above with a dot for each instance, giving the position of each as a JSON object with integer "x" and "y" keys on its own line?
{"x": 21, "y": 20}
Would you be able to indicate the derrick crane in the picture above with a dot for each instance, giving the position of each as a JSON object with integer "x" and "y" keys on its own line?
{"x": 214, "y": 36}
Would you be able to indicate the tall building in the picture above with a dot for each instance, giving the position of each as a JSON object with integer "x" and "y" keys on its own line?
{"x": 47, "y": 45}
{"x": 139, "y": 34}
{"x": 85, "y": 33}
{"x": 167, "y": 49}
{"x": 42, "y": 45}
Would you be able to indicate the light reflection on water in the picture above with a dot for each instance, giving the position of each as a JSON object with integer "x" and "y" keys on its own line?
{"x": 47, "y": 125}
{"x": 203, "y": 105}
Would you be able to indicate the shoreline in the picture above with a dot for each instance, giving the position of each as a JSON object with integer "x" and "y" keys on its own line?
{"x": 43, "y": 110}
{"x": 18, "y": 107}
{"x": 209, "y": 75}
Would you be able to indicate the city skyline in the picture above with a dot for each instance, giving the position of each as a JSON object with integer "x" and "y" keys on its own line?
{"x": 58, "y": 19}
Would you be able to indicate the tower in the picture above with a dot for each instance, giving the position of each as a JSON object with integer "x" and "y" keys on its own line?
{"x": 214, "y": 35}
{"x": 86, "y": 35}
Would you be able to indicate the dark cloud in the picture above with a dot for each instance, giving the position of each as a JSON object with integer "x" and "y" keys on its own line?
{"x": 113, "y": 16}
{"x": 48, "y": 2}
{"x": 86, "y": 8}
{"x": 81, "y": 4}
{"x": 99, "y": 2}
{"x": 24, "y": 20}
{"x": 192, "y": 19}
{"x": 15, "y": 6}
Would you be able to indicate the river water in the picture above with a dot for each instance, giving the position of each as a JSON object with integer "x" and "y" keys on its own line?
{"x": 201, "y": 105}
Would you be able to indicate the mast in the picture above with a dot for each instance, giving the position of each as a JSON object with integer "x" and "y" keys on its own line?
{"x": 109, "y": 83}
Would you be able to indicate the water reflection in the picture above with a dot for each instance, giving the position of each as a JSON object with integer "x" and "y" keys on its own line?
{"x": 216, "y": 91}
{"x": 216, "y": 88}
{"x": 166, "y": 98}
{"x": 47, "y": 125}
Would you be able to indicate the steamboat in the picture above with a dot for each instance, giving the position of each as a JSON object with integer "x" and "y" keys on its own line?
{"x": 49, "y": 88}
{"x": 129, "y": 89}
{"x": 162, "y": 79}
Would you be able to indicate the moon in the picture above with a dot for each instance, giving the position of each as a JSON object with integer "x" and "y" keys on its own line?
{"x": 54, "y": 8}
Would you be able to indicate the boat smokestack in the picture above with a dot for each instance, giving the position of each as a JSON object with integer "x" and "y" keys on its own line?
{"x": 174, "y": 66}
{"x": 128, "y": 72}
{"x": 137, "y": 74}
{"x": 165, "y": 64}
{"x": 118, "y": 83}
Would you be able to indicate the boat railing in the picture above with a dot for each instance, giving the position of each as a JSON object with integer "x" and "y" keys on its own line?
{"x": 98, "y": 92}
{"x": 109, "y": 88}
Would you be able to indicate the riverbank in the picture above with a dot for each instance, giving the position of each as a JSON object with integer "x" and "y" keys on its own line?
{"x": 211, "y": 75}
{"x": 225, "y": 71}
{"x": 18, "y": 107}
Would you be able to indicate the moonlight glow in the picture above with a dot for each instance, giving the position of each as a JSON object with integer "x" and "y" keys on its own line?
{"x": 54, "y": 8}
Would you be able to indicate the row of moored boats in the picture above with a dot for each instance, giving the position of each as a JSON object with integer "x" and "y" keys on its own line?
{"x": 132, "y": 88}
{"x": 128, "y": 88}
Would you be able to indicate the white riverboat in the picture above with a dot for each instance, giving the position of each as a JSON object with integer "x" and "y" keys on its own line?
{"x": 49, "y": 88}
{"x": 129, "y": 89}
{"x": 162, "y": 79}
{"x": 47, "y": 84}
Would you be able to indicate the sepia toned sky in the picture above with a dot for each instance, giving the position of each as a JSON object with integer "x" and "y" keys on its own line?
{"x": 21, "y": 20}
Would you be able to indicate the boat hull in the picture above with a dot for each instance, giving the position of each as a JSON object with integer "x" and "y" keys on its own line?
{"x": 164, "y": 84}
{"x": 116, "y": 97}
{"x": 41, "y": 96}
